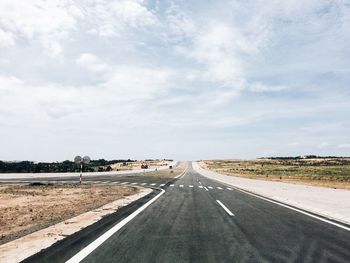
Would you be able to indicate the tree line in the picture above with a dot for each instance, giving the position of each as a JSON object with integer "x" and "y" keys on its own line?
{"x": 57, "y": 167}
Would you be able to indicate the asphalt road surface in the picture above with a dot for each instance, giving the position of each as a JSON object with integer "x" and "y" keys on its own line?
{"x": 201, "y": 220}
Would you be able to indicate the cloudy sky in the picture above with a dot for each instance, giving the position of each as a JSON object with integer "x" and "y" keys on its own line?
{"x": 174, "y": 79}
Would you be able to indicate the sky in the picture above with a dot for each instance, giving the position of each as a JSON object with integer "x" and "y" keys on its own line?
{"x": 179, "y": 79}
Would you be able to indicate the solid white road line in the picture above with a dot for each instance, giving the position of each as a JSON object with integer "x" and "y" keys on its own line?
{"x": 225, "y": 208}
{"x": 95, "y": 244}
{"x": 295, "y": 209}
{"x": 210, "y": 187}
{"x": 219, "y": 187}
{"x": 206, "y": 188}
{"x": 183, "y": 173}
{"x": 190, "y": 186}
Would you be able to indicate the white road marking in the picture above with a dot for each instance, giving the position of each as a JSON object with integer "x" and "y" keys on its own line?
{"x": 143, "y": 183}
{"x": 295, "y": 209}
{"x": 181, "y": 185}
{"x": 228, "y": 188}
{"x": 95, "y": 244}
{"x": 125, "y": 183}
{"x": 183, "y": 173}
{"x": 206, "y": 188}
{"x": 219, "y": 187}
{"x": 153, "y": 184}
{"x": 225, "y": 208}
{"x": 134, "y": 183}
{"x": 191, "y": 186}
{"x": 200, "y": 186}
{"x": 210, "y": 187}
{"x": 200, "y": 182}
{"x": 161, "y": 185}
{"x": 172, "y": 185}
{"x": 115, "y": 182}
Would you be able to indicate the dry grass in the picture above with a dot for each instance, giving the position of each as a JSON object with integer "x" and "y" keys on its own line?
{"x": 334, "y": 172}
{"x": 27, "y": 208}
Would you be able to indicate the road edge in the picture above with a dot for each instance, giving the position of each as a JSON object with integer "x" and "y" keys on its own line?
{"x": 337, "y": 222}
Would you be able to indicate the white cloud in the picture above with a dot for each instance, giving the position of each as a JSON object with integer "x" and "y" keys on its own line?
{"x": 259, "y": 87}
{"x": 6, "y": 38}
{"x": 91, "y": 62}
{"x": 344, "y": 145}
{"x": 113, "y": 18}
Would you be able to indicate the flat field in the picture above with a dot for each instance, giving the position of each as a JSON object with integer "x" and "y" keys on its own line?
{"x": 327, "y": 172}
{"x": 27, "y": 208}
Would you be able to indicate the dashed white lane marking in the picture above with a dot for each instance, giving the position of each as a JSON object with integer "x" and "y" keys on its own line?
{"x": 219, "y": 187}
{"x": 143, "y": 183}
{"x": 228, "y": 188}
{"x": 153, "y": 184}
{"x": 190, "y": 186}
{"x": 172, "y": 185}
{"x": 210, "y": 187}
{"x": 225, "y": 208}
{"x": 206, "y": 188}
{"x": 134, "y": 183}
{"x": 161, "y": 185}
{"x": 200, "y": 186}
{"x": 181, "y": 185}
{"x": 115, "y": 182}
{"x": 95, "y": 244}
{"x": 125, "y": 183}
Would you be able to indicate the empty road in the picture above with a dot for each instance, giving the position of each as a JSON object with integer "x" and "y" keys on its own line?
{"x": 200, "y": 220}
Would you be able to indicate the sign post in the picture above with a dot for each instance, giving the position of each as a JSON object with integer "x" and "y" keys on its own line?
{"x": 81, "y": 161}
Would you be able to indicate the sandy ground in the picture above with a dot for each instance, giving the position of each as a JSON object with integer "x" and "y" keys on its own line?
{"x": 26, "y": 246}
{"x": 28, "y": 208}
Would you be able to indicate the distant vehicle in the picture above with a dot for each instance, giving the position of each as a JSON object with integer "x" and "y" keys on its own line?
{"x": 170, "y": 167}
{"x": 144, "y": 166}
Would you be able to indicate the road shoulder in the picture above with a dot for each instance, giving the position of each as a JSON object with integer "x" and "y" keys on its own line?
{"x": 329, "y": 203}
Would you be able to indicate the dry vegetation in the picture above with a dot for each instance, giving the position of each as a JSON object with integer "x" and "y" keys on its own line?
{"x": 332, "y": 172}
{"x": 28, "y": 208}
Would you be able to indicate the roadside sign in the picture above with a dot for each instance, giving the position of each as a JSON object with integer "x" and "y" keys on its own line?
{"x": 86, "y": 159}
{"x": 77, "y": 159}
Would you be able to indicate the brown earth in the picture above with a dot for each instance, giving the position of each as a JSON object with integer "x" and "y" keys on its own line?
{"x": 27, "y": 208}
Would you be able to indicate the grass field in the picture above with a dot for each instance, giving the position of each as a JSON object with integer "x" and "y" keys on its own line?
{"x": 331, "y": 172}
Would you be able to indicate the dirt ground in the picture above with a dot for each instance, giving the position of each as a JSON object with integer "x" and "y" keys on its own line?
{"x": 137, "y": 165}
{"x": 168, "y": 173}
{"x": 325, "y": 172}
{"x": 27, "y": 208}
